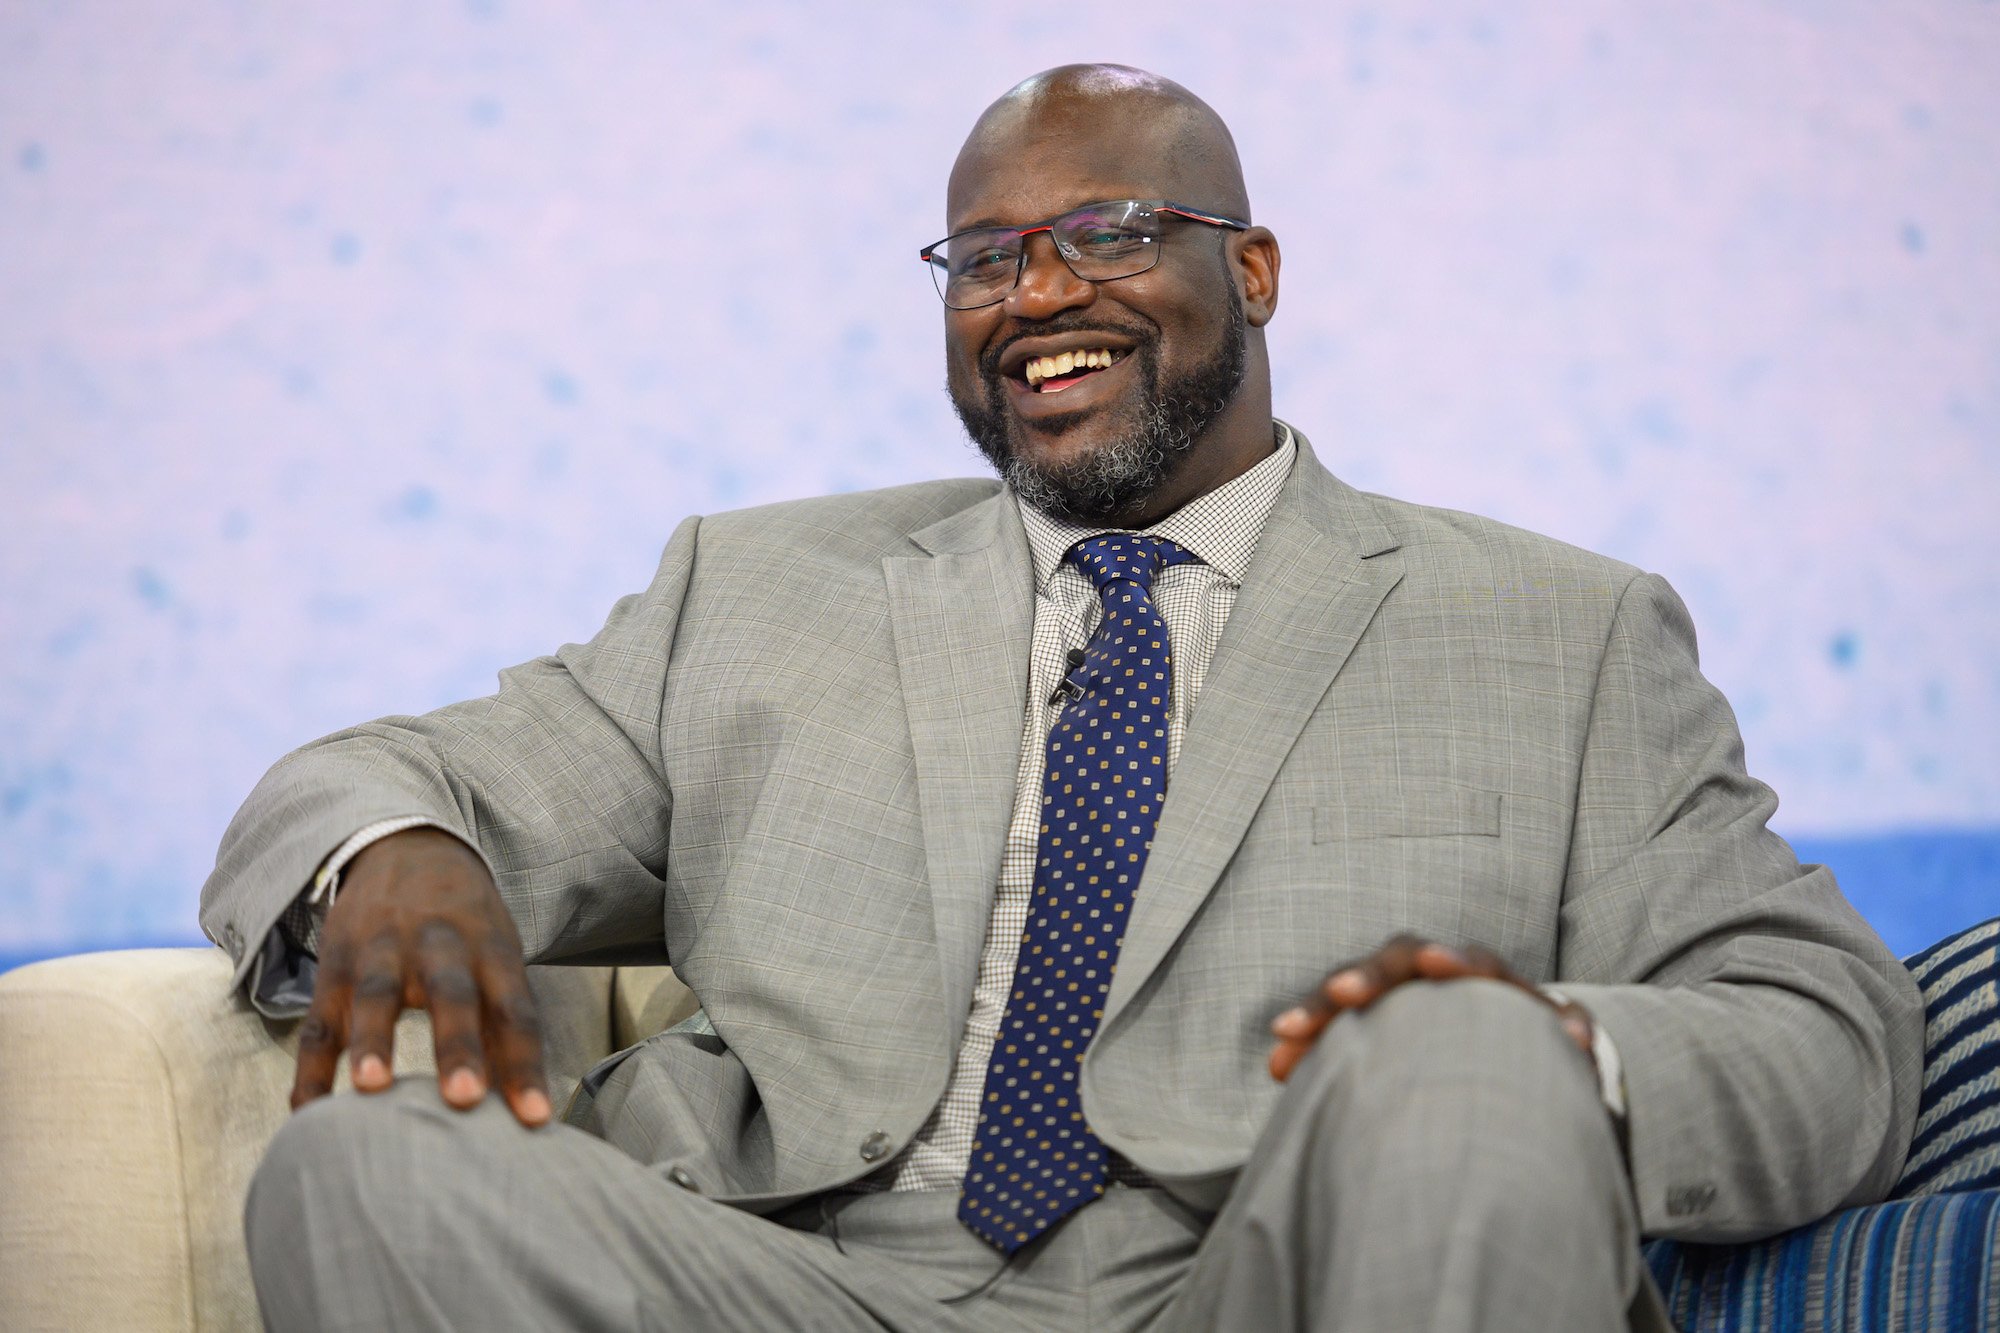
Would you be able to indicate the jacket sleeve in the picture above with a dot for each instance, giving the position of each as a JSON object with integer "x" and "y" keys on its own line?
{"x": 558, "y": 780}
{"x": 1773, "y": 1052}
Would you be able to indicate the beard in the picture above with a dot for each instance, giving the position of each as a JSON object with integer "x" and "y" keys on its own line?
{"x": 1114, "y": 479}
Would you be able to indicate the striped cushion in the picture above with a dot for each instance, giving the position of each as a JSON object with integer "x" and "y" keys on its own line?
{"x": 1915, "y": 1264}
{"x": 1957, "y": 1146}
{"x": 1928, "y": 1260}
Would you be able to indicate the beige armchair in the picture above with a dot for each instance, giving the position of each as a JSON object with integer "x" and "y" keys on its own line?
{"x": 136, "y": 1096}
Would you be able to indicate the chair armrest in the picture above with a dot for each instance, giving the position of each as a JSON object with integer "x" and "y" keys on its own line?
{"x": 645, "y": 1000}
{"x": 1926, "y": 1263}
{"x": 137, "y": 1093}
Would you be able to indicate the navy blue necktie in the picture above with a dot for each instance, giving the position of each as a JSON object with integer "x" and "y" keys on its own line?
{"x": 1034, "y": 1160}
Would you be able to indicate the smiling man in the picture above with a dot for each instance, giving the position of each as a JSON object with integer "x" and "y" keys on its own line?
{"x": 1170, "y": 889}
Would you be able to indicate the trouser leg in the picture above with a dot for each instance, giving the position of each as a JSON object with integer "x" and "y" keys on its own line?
{"x": 1440, "y": 1162}
{"x": 395, "y": 1211}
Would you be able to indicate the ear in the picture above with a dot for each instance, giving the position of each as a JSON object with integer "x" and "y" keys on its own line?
{"x": 1256, "y": 253}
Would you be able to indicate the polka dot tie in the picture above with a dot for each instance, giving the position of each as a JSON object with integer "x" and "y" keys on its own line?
{"x": 1034, "y": 1160}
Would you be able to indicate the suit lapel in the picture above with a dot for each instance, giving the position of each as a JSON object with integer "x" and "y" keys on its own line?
{"x": 963, "y": 617}
{"x": 1312, "y": 588}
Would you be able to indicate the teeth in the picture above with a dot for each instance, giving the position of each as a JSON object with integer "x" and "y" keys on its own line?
{"x": 1048, "y": 367}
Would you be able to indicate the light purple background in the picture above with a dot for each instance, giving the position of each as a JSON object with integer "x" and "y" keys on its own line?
{"x": 349, "y": 352}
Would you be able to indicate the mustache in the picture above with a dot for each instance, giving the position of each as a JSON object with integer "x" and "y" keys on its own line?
{"x": 1141, "y": 336}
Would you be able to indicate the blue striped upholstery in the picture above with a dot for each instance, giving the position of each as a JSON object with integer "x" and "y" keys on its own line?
{"x": 1929, "y": 1259}
{"x": 1957, "y": 1146}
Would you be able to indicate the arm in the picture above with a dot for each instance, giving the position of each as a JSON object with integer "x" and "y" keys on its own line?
{"x": 1770, "y": 1045}
{"x": 555, "y": 798}
{"x": 1773, "y": 1052}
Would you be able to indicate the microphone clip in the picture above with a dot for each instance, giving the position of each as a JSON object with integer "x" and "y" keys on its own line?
{"x": 1069, "y": 687}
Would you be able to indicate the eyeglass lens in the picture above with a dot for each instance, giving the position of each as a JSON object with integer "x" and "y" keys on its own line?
{"x": 1098, "y": 242}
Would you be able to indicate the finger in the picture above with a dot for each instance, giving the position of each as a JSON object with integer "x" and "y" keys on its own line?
{"x": 1302, "y": 1022}
{"x": 1442, "y": 962}
{"x": 1483, "y": 962}
{"x": 451, "y": 993}
{"x": 377, "y": 1000}
{"x": 1351, "y": 987}
{"x": 514, "y": 1032}
{"x": 1359, "y": 985}
{"x": 319, "y": 1056}
{"x": 322, "y": 1034}
{"x": 1285, "y": 1057}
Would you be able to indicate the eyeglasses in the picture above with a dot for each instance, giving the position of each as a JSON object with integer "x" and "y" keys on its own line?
{"x": 1099, "y": 242}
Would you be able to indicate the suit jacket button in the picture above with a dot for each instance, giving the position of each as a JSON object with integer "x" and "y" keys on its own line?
{"x": 680, "y": 1177}
{"x": 875, "y": 1147}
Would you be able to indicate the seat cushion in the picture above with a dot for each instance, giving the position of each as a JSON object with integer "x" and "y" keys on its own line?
{"x": 1930, "y": 1259}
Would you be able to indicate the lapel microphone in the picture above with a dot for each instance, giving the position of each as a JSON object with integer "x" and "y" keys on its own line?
{"x": 1069, "y": 686}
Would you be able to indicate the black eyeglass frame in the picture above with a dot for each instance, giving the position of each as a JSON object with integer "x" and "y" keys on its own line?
{"x": 1021, "y": 234}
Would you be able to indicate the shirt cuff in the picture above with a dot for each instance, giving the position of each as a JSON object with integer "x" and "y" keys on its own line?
{"x": 286, "y": 968}
{"x": 1610, "y": 1069}
{"x": 326, "y": 880}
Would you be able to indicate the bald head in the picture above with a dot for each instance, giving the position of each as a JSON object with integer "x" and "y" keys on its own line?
{"x": 1168, "y": 142}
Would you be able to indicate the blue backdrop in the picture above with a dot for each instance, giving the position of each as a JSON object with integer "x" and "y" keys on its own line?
{"x": 349, "y": 352}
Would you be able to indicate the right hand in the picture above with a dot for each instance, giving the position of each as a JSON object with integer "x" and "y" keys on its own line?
{"x": 419, "y": 924}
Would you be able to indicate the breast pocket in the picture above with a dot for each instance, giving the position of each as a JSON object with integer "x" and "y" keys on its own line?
{"x": 1433, "y": 812}
{"x": 1428, "y": 861}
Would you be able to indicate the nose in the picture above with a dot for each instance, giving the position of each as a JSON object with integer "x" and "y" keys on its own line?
{"x": 1047, "y": 285}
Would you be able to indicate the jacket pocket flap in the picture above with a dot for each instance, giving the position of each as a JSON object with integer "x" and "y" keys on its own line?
{"x": 1430, "y": 813}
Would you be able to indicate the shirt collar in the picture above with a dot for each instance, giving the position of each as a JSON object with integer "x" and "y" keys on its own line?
{"x": 1222, "y": 526}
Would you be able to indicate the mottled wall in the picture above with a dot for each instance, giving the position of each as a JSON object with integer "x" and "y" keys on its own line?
{"x": 351, "y": 351}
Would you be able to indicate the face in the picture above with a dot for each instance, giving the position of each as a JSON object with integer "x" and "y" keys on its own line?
{"x": 1156, "y": 359}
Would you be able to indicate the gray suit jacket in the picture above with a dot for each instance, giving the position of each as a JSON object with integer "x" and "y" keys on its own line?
{"x": 788, "y": 767}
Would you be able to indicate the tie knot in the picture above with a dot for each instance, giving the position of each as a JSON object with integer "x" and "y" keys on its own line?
{"x": 1130, "y": 557}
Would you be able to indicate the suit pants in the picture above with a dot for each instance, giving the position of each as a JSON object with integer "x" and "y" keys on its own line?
{"x": 1440, "y": 1162}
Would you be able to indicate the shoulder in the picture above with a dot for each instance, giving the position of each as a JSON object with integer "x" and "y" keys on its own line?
{"x": 894, "y": 511}
{"x": 1462, "y": 573}
{"x": 860, "y": 527}
{"x": 1452, "y": 546}
{"x": 1450, "y": 552}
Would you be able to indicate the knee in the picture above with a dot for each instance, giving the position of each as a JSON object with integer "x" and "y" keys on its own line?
{"x": 352, "y": 1153}
{"x": 1456, "y": 1127}
{"x": 1460, "y": 1078}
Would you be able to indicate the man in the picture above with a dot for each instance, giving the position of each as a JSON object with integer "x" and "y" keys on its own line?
{"x": 996, "y": 1037}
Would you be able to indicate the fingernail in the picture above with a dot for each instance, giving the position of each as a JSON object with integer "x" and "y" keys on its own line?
{"x": 371, "y": 1071}
{"x": 462, "y": 1086}
{"x": 535, "y": 1105}
{"x": 1290, "y": 1018}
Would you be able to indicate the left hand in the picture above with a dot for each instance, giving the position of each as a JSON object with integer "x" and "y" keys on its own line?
{"x": 1403, "y": 958}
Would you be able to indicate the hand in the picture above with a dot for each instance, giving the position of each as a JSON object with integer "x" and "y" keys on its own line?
{"x": 1403, "y": 958}
{"x": 419, "y": 924}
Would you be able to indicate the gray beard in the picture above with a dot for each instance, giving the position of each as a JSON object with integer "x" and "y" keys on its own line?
{"x": 1115, "y": 479}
